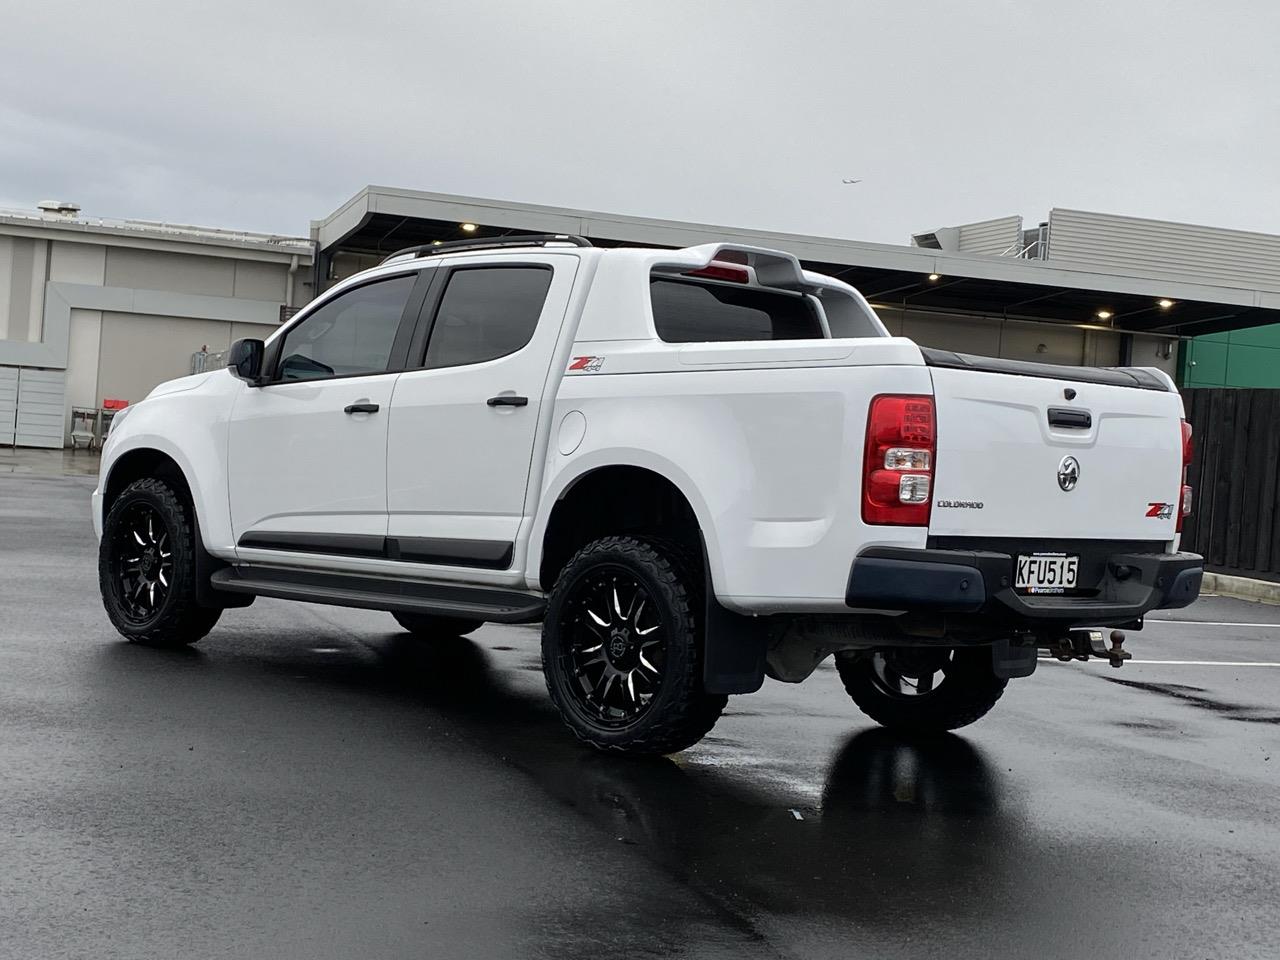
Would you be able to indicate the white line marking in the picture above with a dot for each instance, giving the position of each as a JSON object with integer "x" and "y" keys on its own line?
{"x": 1212, "y": 663}
{"x": 1215, "y": 623}
{"x": 1182, "y": 663}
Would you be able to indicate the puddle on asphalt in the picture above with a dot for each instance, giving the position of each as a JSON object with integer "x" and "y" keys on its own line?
{"x": 1195, "y": 696}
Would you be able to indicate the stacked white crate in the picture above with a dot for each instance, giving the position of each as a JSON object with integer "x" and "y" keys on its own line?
{"x": 8, "y": 404}
{"x": 41, "y": 408}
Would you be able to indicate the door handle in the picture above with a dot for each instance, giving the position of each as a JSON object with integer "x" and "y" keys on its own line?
{"x": 363, "y": 407}
{"x": 1069, "y": 419}
{"x": 507, "y": 400}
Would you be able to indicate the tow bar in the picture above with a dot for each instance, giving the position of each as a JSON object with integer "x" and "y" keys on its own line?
{"x": 1080, "y": 644}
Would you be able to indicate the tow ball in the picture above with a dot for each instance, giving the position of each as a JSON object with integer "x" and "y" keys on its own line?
{"x": 1080, "y": 644}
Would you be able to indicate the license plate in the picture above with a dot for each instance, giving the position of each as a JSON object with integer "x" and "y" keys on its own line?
{"x": 1046, "y": 572}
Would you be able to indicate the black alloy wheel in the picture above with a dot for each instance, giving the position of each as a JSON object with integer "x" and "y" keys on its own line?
{"x": 921, "y": 689}
{"x": 616, "y": 645}
{"x": 144, "y": 562}
{"x": 622, "y": 647}
{"x": 910, "y": 672}
{"x": 147, "y": 567}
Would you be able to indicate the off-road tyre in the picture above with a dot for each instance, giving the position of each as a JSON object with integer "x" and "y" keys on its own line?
{"x": 174, "y": 619}
{"x": 678, "y": 712}
{"x": 967, "y": 691}
{"x": 425, "y": 626}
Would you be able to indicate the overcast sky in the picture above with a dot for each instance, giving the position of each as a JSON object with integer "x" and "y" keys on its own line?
{"x": 265, "y": 115}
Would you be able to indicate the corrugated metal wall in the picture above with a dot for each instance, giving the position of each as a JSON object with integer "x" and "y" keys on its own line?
{"x": 1156, "y": 247}
{"x": 8, "y": 404}
{"x": 990, "y": 237}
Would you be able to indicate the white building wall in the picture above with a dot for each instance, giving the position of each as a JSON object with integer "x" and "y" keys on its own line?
{"x": 1160, "y": 352}
{"x": 35, "y": 289}
{"x": 23, "y": 263}
{"x": 80, "y": 263}
{"x": 137, "y": 352}
{"x": 6, "y": 281}
{"x": 176, "y": 272}
{"x": 82, "y": 361}
{"x": 252, "y": 280}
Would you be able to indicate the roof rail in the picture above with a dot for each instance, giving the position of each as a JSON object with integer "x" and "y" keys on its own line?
{"x": 488, "y": 243}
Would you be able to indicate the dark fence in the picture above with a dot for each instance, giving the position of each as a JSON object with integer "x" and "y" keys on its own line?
{"x": 1235, "y": 518}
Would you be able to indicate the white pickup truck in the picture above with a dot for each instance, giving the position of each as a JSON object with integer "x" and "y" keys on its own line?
{"x": 695, "y": 467}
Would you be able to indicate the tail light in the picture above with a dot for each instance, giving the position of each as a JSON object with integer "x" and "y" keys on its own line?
{"x": 1184, "y": 499}
{"x": 721, "y": 270}
{"x": 899, "y": 460}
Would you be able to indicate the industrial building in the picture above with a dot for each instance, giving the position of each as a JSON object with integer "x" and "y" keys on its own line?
{"x": 94, "y": 310}
{"x": 1078, "y": 287}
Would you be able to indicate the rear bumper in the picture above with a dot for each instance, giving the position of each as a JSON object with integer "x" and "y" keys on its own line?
{"x": 980, "y": 582}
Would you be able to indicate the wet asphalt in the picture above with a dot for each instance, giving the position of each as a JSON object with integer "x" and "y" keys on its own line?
{"x": 311, "y": 782}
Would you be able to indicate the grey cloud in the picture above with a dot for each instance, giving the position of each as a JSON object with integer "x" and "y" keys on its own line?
{"x": 262, "y": 116}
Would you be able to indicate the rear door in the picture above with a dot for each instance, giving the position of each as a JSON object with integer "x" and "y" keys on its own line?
{"x": 1017, "y": 458}
{"x": 464, "y": 425}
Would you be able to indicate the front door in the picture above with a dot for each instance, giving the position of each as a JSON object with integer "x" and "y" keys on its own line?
{"x": 463, "y": 426}
{"x": 307, "y": 450}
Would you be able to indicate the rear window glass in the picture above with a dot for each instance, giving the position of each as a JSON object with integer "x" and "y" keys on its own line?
{"x": 690, "y": 311}
{"x": 486, "y": 313}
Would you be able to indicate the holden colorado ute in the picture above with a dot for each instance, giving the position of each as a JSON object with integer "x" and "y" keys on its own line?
{"x": 696, "y": 468}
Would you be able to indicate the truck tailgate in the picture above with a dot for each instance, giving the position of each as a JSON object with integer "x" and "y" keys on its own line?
{"x": 1017, "y": 458}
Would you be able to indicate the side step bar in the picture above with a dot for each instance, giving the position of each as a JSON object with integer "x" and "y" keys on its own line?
{"x": 491, "y": 604}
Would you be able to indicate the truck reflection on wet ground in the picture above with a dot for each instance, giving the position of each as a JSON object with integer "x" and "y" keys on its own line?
{"x": 1197, "y": 697}
{"x": 909, "y": 831}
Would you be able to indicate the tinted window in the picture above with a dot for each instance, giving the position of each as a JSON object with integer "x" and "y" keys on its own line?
{"x": 487, "y": 312}
{"x": 693, "y": 312}
{"x": 352, "y": 333}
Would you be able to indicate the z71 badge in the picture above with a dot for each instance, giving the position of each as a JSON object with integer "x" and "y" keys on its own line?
{"x": 589, "y": 364}
{"x": 1161, "y": 511}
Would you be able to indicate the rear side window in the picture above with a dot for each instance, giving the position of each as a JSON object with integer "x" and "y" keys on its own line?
{"x": 486, "y": 313}
{"x": 689, "y": 311}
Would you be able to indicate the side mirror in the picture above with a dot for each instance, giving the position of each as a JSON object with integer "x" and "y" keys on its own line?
{"x": 244, "y": 360}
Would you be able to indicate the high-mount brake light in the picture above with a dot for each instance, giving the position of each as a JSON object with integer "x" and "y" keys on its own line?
{"x": 1184, "y": 498}
{"x": 719, "y": 270}
{"x": 898, "y": 463}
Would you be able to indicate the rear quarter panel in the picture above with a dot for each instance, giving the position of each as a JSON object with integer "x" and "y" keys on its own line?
{"x": 770, "y": 460}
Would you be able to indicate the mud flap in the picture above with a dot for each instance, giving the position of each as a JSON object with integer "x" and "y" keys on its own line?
{"x": 734, "y": 649}
{"x": 1010, "y": 661}
{"x": 206, "y": 564}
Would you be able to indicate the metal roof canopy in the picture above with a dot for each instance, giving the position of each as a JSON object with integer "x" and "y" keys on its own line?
{"x": 378, "y": 220}
{"x": 150, "y": 234}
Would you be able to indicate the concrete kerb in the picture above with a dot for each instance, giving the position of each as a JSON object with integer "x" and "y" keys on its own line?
{"x": 1242, "y": 588}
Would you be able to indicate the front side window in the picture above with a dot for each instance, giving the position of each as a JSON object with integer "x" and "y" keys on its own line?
{"x": 351, "y": 334}
{"x": 486, "y": 313}
{"x": 689, "y": 311}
